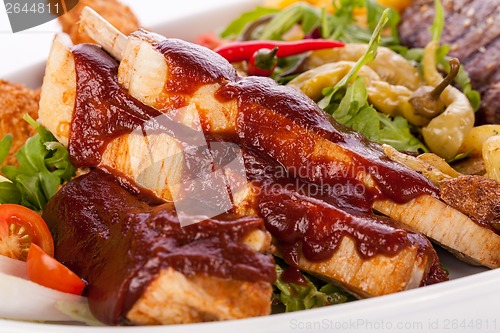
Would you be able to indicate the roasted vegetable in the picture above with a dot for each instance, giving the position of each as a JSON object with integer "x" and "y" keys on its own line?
{"x": 445, "y": 134}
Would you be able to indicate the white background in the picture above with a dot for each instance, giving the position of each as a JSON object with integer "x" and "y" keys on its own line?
{"x": 32, "y": 46}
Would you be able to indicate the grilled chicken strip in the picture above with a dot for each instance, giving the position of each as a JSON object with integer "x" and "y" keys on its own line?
{"x": 409, "y": 267}
{"x": 401, "y": 270}
{"x": 143, "y": 268}
{"x": 142, "y": 54}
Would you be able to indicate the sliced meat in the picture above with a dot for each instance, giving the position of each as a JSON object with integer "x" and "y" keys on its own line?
{"x": 402, "y": 270}
{"x": 142, "y": 267}
{"x": 473, "y": 32}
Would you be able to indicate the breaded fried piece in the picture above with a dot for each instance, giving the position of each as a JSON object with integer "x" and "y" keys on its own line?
{"x": 15, "y": 101}
{"x": 118, "y": 14}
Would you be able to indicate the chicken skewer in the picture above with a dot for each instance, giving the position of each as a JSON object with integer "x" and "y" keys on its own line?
{"x": 140, "y": 57}
{"x": 363, "y": 277}
{"x": 158, "y": 272}
{"x": 406, "y": 269}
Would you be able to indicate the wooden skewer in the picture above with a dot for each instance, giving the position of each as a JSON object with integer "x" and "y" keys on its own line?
{"x": 103, "y": 32}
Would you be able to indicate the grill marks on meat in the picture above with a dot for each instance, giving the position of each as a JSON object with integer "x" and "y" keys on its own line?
{"x": 472, "y": 30}
{"x": 120, "y": 244}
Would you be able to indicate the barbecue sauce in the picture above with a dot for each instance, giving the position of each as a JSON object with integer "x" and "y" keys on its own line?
{"x": 119, "y": 243}
{"x": 277, "y": 129}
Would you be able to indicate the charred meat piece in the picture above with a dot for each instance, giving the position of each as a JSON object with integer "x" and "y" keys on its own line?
{"x": 294, "y": 132}
{"x": 471, "y": 28}
{"x": 142, "y": 267}
{"x": 15, "y": 102}
{"x": 463, "y": 193}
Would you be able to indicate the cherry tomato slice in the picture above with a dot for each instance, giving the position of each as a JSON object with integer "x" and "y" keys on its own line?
{"x": 19, "y": 227}
{"x": 50, "y": 273}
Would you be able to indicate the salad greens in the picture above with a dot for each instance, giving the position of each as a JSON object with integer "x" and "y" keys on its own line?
{"x": 342, "y": 25}
{"x": 315, "y": 294}
{"x": 348, "y": 103}
{"x": 462, "y": 80}
{"x": 43, "y": 166}
{"x": 236, "y": 27}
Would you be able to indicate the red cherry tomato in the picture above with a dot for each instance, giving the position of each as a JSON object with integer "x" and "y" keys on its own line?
{"x": 48, "y": 272}
{"x": 19, "y": 227}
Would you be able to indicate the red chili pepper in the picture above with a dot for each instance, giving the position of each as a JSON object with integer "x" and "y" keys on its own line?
{"x": 263, "y": 62}
{"x": 240, "y": 51}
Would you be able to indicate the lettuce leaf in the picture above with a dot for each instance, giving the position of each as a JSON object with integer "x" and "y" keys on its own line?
{"x": 43, "y": 166}
{"x": 396, "y": 132}
{"x": 297, "y": 297}
{"x": 308, "y": 16}
{"x": 438, "y": 23}
{"x": 237, "y": 26}
{"x": 368, "y": 56}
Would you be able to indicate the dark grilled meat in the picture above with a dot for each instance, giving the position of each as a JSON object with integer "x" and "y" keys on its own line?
{"x": 462, "y": 193}
{"x": 473, "y": 31}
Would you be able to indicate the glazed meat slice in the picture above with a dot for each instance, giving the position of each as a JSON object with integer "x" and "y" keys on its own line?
{"x": 142, "y": 267}
{"x": 473, "y": 32}
{"x": 300, "y": 136}
{"x": 407, "y": 268}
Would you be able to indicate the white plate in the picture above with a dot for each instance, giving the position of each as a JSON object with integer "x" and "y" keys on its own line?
{"x": 468, "y": 303}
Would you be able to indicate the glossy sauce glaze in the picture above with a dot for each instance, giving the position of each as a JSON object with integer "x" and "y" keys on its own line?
{"x": 119, "y": 243}
{"x": 307, "y": 219}
{"x": 278, "y": 124}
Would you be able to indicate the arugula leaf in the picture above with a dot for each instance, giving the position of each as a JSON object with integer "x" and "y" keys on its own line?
{"x": 298, "y": 297}
{"x": 43, "y": 166}
{"x": 375, "y": 12}
{"x": 342, "y": 18}
{"x": 396, "y": 133}
{"x": 8, "y": 192}
{"x": 354, "y": 111}
{"x": 438, "y": 24}
{"x": 369, "y": 55}
{"x": 309, "y": 17}
{"x": 237, "y": 26}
